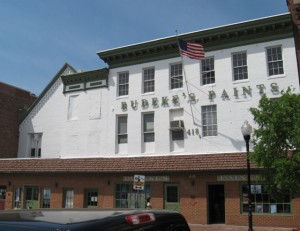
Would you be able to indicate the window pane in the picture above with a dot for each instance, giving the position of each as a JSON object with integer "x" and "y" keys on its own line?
{"x": 123, "y": 83}
{"x": 240, "y": 69}
{"x": 148, "y": 80}
{"x": 209, "y": 120}
{"x": 176, "y": 76}
{"x": 275, "y": 63}
{"x": 208, "y": 71}
{"x": 148, "y": 122}
{"x": 262, "y": 202}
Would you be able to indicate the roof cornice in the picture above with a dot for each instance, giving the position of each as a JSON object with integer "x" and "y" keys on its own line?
{"x": 239, "y": 34}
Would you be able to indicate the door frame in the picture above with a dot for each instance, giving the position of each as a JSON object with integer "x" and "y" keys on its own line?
{"x": 216, "y": 203}
{"x": 175, "y": 206}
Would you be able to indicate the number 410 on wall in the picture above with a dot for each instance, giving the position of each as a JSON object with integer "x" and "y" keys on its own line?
{"x": 193, "y": 132}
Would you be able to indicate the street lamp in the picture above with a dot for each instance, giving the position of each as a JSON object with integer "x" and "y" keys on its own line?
{"x": 246, "y": 131}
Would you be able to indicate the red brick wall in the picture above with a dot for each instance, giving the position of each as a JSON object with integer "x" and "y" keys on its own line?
{"x": 193, "y": 198}
{"x": 294, "y": 9}
{"x": 11, "y": 101}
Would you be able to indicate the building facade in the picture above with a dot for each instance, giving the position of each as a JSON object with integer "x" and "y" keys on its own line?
{"x": 154, "y": 124}
{"x": 13, "y": 101}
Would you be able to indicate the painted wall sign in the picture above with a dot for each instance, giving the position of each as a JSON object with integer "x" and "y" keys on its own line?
{"x": 149, "y": 178}
{"x": 165, "y": 101}
{"x": 238, "y": 178}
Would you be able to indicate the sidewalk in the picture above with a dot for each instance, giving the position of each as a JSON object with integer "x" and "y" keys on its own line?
{"x": 232, "y": 228}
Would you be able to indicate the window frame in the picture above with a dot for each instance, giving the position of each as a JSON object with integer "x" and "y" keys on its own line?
{"x": 209, "y": 120}
{"x": 123, "y": 86}
{"x": 208, "y": 71}
{"x": 122, "y": 135}
{"x": 68, "y": 201}
{"x": 262, "y": 200}
{"x": 35, "y": 145}
{"x": 176, "y": 76}
{"x": 93, "y": 194}
{"x": 278, "y": 62}
{"x": 239, "y": 66}
{"x": 46, "y": 202}
{"x": 148, "y": 135}
{"x": 148, "y": 80}
{"x": 122, "y": 197}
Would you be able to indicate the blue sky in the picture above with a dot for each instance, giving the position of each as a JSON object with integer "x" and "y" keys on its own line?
{"x": 37, "y": 37}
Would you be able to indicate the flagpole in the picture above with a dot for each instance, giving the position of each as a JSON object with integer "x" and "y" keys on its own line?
{"x": 184, "y": 75}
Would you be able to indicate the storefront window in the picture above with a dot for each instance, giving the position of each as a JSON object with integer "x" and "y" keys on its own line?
{"x": 127, "y": 197}
{"x": 263, "y": 202}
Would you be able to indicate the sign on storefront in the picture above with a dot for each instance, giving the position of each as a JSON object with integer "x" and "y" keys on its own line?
{"x": 139, "y": 182}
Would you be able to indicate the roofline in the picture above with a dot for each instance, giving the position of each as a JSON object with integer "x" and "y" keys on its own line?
{"x": 188, "y": 33}
{"x": 217, "y": 38}
{"x": 43, "y": 93}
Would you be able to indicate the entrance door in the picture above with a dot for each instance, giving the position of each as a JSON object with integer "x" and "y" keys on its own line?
{"x": 2, "y": 197}
{"x": 31, "y": 197}
{"x": 172, "y": 197}
{"x": 216, "y": 204}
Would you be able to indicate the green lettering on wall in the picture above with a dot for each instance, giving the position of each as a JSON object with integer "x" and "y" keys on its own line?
{"x": 247, "y": 91}
{"x": 274, "y": 88}
{"x": 155, "y": 102}
{"x": 224, "y": 95}
{"x": 175, "y": 99}
{"x": 192, "y": 98}
{"x": 124, "y": 106}
{"x": 235, "y": 92}
{"x": 261, "y": 88}
{"x": 145, "y": 103}
{"x": 211, "y": 94}
{"x": 134, "y": 104}
{"x": 164, "y": 101}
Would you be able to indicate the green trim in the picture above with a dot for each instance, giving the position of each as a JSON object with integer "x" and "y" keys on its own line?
{"x": 66, "y": 67}
{"x": 84, "y": 78}
{"x": 245, "y": 33}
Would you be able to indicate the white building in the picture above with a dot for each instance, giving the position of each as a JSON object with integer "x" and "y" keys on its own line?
{"x": 129, "y": 110}
{"x": 177, "y": 121}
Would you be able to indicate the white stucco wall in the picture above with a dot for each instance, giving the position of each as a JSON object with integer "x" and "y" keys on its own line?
{"x": 94, "y": 132}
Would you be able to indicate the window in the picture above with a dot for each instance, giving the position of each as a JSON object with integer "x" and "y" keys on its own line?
{"x": 73, "y": 109}
{"x": 35, "y": 145}
{"x": 17, "y": 198}
{"x": 262, "y": 202}
{"x": 148, "y": 80}
{"x": 177, "y": 135}
{"x": 91, "y": 198}
{"x": 239, "y": 62}
{"x": 122, "y": 129}
{"x": 209, "y": 120}
{"x": 148, "y": 127}
{"x": 176, "y": 76}
{"x": 68, "y": 198}
{"x": 31, "y": 197}
{"x": 208, "y": 71}
{"x": 126, "y": 196}
{"x": 46, "y": 198}
{"x": 123, "y": 83}
{"x": 275, "y": 63}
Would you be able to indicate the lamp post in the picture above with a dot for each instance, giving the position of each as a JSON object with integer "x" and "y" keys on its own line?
{"x": 246, "y": 131}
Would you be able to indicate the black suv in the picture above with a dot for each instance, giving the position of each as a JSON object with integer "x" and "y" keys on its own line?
{"x": 92, "y": 220}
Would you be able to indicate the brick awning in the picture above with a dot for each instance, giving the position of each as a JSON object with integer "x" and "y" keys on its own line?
{"x": 149, "y": 164}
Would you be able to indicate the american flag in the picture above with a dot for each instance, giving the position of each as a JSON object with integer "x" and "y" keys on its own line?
{"x": 191, "y": 49}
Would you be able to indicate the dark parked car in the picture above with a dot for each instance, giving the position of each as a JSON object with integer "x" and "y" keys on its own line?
{"x": 92, "y": 220}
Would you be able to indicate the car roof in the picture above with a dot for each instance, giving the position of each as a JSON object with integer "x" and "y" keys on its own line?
{"x": 65, "y": 216}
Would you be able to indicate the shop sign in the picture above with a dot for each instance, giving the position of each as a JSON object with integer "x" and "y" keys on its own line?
{"x": 237, "y": 178}
{"x": 138, "y": 182}
{"x": 149, "y": 178}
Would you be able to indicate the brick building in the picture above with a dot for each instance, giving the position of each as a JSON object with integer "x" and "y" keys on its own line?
{"x": 13, "y": 101}
{"x": 154, "y": 124}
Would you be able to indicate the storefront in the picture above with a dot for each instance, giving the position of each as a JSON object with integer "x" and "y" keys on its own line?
{"x": 202, "y": 194}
